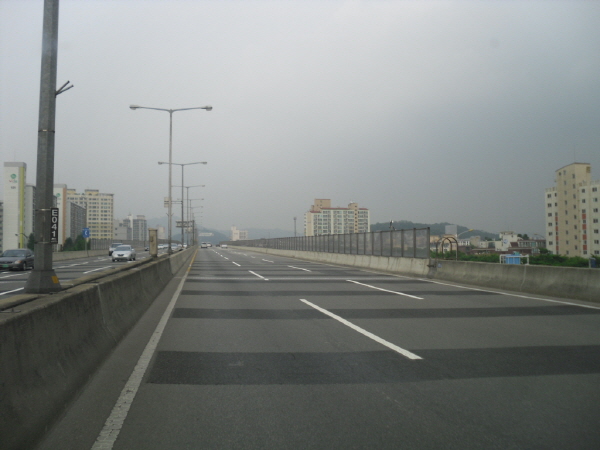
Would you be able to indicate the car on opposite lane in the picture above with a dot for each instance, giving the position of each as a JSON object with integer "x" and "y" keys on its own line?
{"x": 124, "y": 253}
{"x": 17, "y": 259}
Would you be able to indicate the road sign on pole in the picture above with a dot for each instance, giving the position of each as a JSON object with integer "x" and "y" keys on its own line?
{"x": 85, "y": 233}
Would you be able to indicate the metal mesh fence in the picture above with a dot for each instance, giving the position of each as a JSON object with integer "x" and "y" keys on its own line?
{"x": 412, "y": 243}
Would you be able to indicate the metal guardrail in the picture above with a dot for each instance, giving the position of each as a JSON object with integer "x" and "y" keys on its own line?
{"x": 411, "y": 243}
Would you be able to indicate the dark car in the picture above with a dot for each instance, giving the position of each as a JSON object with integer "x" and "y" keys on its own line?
{"x": 18, "y": 259}
{"x": 112, "y": 247}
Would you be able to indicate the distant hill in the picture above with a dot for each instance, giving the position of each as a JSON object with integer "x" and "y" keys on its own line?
{"x": 436, "y": 228}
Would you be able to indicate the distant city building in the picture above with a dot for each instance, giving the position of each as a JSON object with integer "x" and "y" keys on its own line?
{"x": 30, "y": 207}
{"x": 1, "y": 225}
{"x": 238, "y": 235}
{"x": 323, "y": 219}
{"x": 139, "y": 228}
{"x": 75, "y": 220}
{"x": 99, "y": 207}
{"x": 60, "y": 192}
{"x": 572, "y": 212}
{"x": 506, "y": 239}
{"x": 121, "y": 230}
{"x": 14, "y": 230}
{"x": 161, "y": 232}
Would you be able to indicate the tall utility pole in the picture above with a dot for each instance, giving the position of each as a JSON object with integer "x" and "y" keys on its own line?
{"x": 43, "y": 279}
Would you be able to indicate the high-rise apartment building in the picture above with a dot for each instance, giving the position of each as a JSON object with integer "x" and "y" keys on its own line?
{"x": 100, "y": 211}
{"x": 75, "y": 220}
{"x": 572, "y": 212}
{"x": 60, "y": 193}
{"x": 238, "y": 235}
{"x": 139, "y": 228}
{"x": 16, "y": 228}
{"x": 323, "y": 219}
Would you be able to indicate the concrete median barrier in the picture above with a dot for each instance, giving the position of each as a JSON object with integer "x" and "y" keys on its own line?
{"x": 50, "y": 345}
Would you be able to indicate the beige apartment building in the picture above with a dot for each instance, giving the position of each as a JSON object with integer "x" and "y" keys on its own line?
{"x": 100, "y": 211}
{"x": 572, "y": 212}
{"x": 324, "y": 219}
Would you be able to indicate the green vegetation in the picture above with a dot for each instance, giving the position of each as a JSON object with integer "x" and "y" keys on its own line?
{"x": 71, "y": 246}
{"x": 31, "y": 242}
{"x": 545, "y": 258}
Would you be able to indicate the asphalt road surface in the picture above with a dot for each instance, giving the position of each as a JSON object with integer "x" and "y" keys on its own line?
{"x": 248, "y": 351}
{"x": 13, "y": 282}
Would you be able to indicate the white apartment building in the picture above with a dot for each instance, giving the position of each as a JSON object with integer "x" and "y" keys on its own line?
{"x": 572, "y": 212}
{"x": 238, "y": 235}
{"x": 18, "y": 206}
{"x": 323, "y": 219}
{"x": 60, "y": 192}
{"x": 100, "y": 211}
{"x": 139, "y": 228}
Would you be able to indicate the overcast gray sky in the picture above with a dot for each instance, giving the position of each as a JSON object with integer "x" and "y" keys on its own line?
{"x": 424, "y": 111}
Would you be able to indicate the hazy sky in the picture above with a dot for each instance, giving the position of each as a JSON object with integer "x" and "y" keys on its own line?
{"x": 418, "y": 110}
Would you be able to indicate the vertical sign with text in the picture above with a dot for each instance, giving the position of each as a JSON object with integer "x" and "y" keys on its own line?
{"x": 54, "y": 225}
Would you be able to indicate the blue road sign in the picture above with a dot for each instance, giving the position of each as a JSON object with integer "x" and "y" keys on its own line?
{"x": 86, "y": 233}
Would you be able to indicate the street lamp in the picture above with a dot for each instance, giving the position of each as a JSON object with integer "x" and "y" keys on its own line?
{"x": 188, "y": 199}
{"x": 182, "y": 186}
{"x": 170, "y": 111}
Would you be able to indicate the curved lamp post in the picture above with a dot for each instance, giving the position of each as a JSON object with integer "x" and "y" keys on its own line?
{"x": 170, "y": 111}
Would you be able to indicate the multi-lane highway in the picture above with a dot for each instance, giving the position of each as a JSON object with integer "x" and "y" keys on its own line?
{"x": 248, "y": 351}
{"x": 13, "y": 282}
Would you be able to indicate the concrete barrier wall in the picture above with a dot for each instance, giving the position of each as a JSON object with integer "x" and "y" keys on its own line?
{"x": 62, "y": 256}
{"x": 50, "y": 348}
{"x": 564, "y": 282}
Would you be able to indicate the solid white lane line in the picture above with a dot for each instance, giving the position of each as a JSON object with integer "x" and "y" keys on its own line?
{"x": 510, "y": 294}
{"x": 236, "y": 264}
{"x": 112, "y": 427}
{"x": 94, "y": 270}
{"x": 300, "y": 268}
{"x": 364, "y": 332}
{"x": 259, "y": 276}
{"x": 14, "y": 290}
{"x": 385, "y": 290}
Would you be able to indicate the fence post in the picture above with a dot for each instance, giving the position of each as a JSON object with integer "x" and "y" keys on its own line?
{"x": 414, "y": 242}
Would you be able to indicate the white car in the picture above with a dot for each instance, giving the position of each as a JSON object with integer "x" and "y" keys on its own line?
{"x": 124, "y": 253}
{"x": 223, "y": 245}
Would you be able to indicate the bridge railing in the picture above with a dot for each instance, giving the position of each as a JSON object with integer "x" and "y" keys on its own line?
{"x": 410, "y": 243}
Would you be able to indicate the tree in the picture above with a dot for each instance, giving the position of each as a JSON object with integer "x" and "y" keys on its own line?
{"x": 68, "y": 246}
{"x": 31, "y": 242}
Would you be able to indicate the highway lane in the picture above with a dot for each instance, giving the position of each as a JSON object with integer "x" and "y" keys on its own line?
{"x": 269, "y": 352}
{"x": 13, "y": 282}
